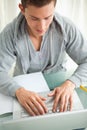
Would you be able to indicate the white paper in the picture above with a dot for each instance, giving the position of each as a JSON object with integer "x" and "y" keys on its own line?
{"x": 5, "y": 104}
{"x": 33, "y": 82}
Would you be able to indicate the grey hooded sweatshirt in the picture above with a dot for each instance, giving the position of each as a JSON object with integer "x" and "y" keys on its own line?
{"x": 16, "y": 47}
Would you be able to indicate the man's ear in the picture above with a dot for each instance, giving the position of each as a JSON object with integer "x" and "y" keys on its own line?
{"x": 22, "y": 9}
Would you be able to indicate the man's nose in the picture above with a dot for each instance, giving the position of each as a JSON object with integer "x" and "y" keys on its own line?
{"x": 42, "y": 24}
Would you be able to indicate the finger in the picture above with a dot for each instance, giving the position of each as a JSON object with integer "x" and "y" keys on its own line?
{"x": 62, "y": 104}
{"x": 65, "y": 104}
{"x": 43, "y": 98}
{"x": 40, "y": 105}
{"x": 29, "y": 110}
{"x": 71, "y": 103}
{"x": 56, "y": 102}
{"x": 51, "y": 93}
{"x": 34, "y": 108}
{"x": 43, "y": 106}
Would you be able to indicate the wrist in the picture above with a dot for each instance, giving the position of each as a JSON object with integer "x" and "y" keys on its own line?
{"x": 19, "y": 90}
{"x": 70, "y": 83}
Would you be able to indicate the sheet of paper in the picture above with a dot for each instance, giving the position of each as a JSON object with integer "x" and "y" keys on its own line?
{"x": 34, "y": 82}
{"x": 5, "y": 104}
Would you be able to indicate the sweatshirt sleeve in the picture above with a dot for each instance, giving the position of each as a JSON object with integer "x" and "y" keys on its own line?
{"x": 7, "y": 57}
{"x": 77, "y": 49}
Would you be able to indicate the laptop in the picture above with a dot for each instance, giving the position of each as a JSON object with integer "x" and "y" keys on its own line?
{"x": 42, "y": 88}
{"x": 19, "y": 112}
{"x": 51, "y": 121}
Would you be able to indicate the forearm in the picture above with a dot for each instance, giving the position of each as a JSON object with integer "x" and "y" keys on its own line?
{"x": 7, "y": 85}
{"x": 79, "y": 77}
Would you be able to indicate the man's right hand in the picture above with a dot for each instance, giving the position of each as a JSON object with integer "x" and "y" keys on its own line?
{"x": 31, "y": 101}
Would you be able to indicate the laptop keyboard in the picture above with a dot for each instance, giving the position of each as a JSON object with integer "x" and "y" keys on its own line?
{"x": 48, "y": 102}
{"x": 20, "y": 112}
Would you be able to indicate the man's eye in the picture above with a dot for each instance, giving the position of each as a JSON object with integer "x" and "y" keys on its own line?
{"x": 34, "y": 19}
{"x": 46, "y": 18}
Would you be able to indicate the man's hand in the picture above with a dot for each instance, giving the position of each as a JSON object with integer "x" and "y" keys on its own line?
{"x": 31, "y": 101}
{"x": 63, "y": 95}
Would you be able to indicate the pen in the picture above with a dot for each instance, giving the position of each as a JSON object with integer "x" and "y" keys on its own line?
{"x": 83, "y": 88}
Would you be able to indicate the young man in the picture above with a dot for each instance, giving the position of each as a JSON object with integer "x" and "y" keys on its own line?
{"x": 36, "y": 40}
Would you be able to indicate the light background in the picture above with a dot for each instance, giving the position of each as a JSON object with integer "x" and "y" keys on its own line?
{"x": 73, "y": 9}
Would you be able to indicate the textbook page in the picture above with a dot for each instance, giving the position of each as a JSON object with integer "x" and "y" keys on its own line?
{"x": 5, "y": 104}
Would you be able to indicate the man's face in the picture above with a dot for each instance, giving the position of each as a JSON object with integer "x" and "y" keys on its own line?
{"x": 38, "y": 18}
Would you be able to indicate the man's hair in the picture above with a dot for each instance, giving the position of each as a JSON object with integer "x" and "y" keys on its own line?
{"x": 37, "y": 3}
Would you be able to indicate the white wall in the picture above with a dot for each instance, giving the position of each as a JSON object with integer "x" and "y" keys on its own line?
{"x": 8, "y": 10}
{"x": 73, "y": 9}
{"x": 76, "y": 10}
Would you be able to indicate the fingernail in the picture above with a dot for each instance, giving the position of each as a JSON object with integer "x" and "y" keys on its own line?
{"x": 46, "y": 110}
{"x": 54, "y": 110}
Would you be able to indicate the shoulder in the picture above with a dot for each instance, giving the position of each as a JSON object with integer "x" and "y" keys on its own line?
{"x": 66, "y": 25}
{"x": 62, "y": 20}
{"x": 13, "y": 28}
